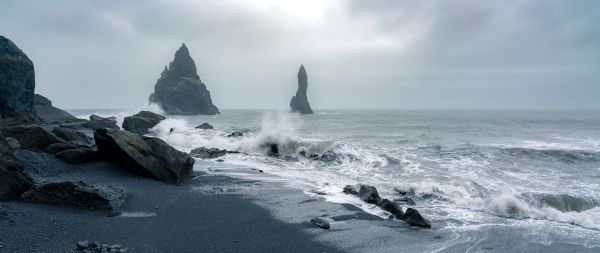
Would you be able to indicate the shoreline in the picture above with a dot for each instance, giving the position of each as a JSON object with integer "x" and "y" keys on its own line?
{"x": 227, "y": 210}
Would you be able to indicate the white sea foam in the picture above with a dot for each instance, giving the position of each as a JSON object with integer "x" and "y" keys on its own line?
{"x": 459, "y": 185}
{"x": 508, "y": 205}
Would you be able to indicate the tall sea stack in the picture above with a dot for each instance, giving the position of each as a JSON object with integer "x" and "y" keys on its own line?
{"x": 179, "y": 90}
{"x": 17, "y": 82}
{"x": 299, "y": 102}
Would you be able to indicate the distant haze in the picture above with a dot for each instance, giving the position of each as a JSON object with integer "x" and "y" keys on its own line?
{"x": 463, "y": 54}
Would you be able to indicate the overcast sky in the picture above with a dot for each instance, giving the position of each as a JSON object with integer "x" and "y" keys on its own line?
{"x": 390, "y": 54}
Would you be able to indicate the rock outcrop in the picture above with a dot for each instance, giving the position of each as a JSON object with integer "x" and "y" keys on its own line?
{"x": 13, "y": 181}
{"x": 320, "y": 222}
{"x": 32, "y": 136}
{"x": 207, "y": 153}
{"x": 370, "y": 195}
{"x": 76, "y": 138}
{"x": 17, "y": 82}
{"x": 205, "y": 126}
{"x": 50, "y": 114}
{"x": 93, "y": 247}
{"x": 77, "y": 194}
{"x": 141, "y": 122}
{"x": 179, "y": 90}
{"x": 299, "y": 103}
{"x": 151, "y": 157}
{"x": 414, "y": 218}
{"x": 97, "y": 122}
{"x": 77, "y": 155}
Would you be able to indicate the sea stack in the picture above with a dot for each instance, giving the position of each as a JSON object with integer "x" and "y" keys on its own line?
{"x": 17, "y": 82}
{"x": 179, "y": 90}
{"x": 299, "y": 103}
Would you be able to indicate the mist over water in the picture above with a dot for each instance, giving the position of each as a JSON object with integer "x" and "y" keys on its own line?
{"x": 464, "y": 169}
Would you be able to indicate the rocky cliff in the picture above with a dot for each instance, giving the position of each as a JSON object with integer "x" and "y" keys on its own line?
{"x": 179, "y": 90}
{"x": 17, "y": 82}
{"x": 299, "y": 102}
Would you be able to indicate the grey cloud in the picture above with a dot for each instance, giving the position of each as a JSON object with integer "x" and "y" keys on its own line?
{"x": 358, "y": 54}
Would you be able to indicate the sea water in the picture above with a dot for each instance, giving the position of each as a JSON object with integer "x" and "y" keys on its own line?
{"x": 538, "y": 170}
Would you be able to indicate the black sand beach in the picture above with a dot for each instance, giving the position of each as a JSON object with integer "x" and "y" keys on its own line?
{"x": 173, "y": 218}
{"x": 216, "y": 213}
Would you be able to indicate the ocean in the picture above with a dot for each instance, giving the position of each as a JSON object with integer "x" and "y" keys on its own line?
{"x": 538, "y": 171}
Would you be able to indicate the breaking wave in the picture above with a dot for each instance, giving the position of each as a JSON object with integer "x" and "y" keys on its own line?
{"x": 432, "y": 175}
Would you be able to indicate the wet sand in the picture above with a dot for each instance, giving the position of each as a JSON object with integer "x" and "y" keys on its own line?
{"x": 217, "y": 213}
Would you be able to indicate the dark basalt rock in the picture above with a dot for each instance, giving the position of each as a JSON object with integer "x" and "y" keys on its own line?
{"x": 77, "y": 194}
{"x": 96, "y": 247}
{"x": 299, "y": 103}
{"x": 32, "y": 137}
{"x": 207, "y": 153}
{"x": 13, "y": 181}
{"x": 179, "y": 90}
{"x": 205, "y": 126}
{"x": 50, "y": 114}
{"x": 391, "y": 207}
{"x": 17, "y": 82}
{"x": 414, "y": 218}
{"x": 16, "y": 119}
{"x": 76, "y": 138}
{"x": 349, "y": 189}
{"x": 97, "y": 122}
{"x": 141, "y": 122}
{"x": 77, "y": 155}
{"x": 151, "y": 157}
{"x": 320, "y": 222}
{"x": 369, "y": 194}
{"x": 235, "y": 135}
{"x": 59, "y": 147}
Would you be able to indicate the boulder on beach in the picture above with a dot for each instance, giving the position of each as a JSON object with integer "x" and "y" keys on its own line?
{"x": 31, "y": 137}
{"x": 13, "y": 181}
{"x": 50, "y": 114}
{"x": 207, "y": 153}
{"x": 97, "y": 122}
{"x": 299, "y": 103}
{"x": 74, "y": 137}
{"x": 369, "y": 194}
{"x": 141, "y": 122}
{"x": 320, "y": 222}
{"x": 205, "y": 126}
{"x": 414, "y": 218}
{"x": 59, "y": 147}
{"x": 77, "y": 194}
{"x": 179, "y": 90}
{"x": 77, "y": 155}
{"x": 17, "y": 82}
{"x": 391, "y": 207}
{"x": 151, "y": 157}
{"x": 89, "y": 247}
